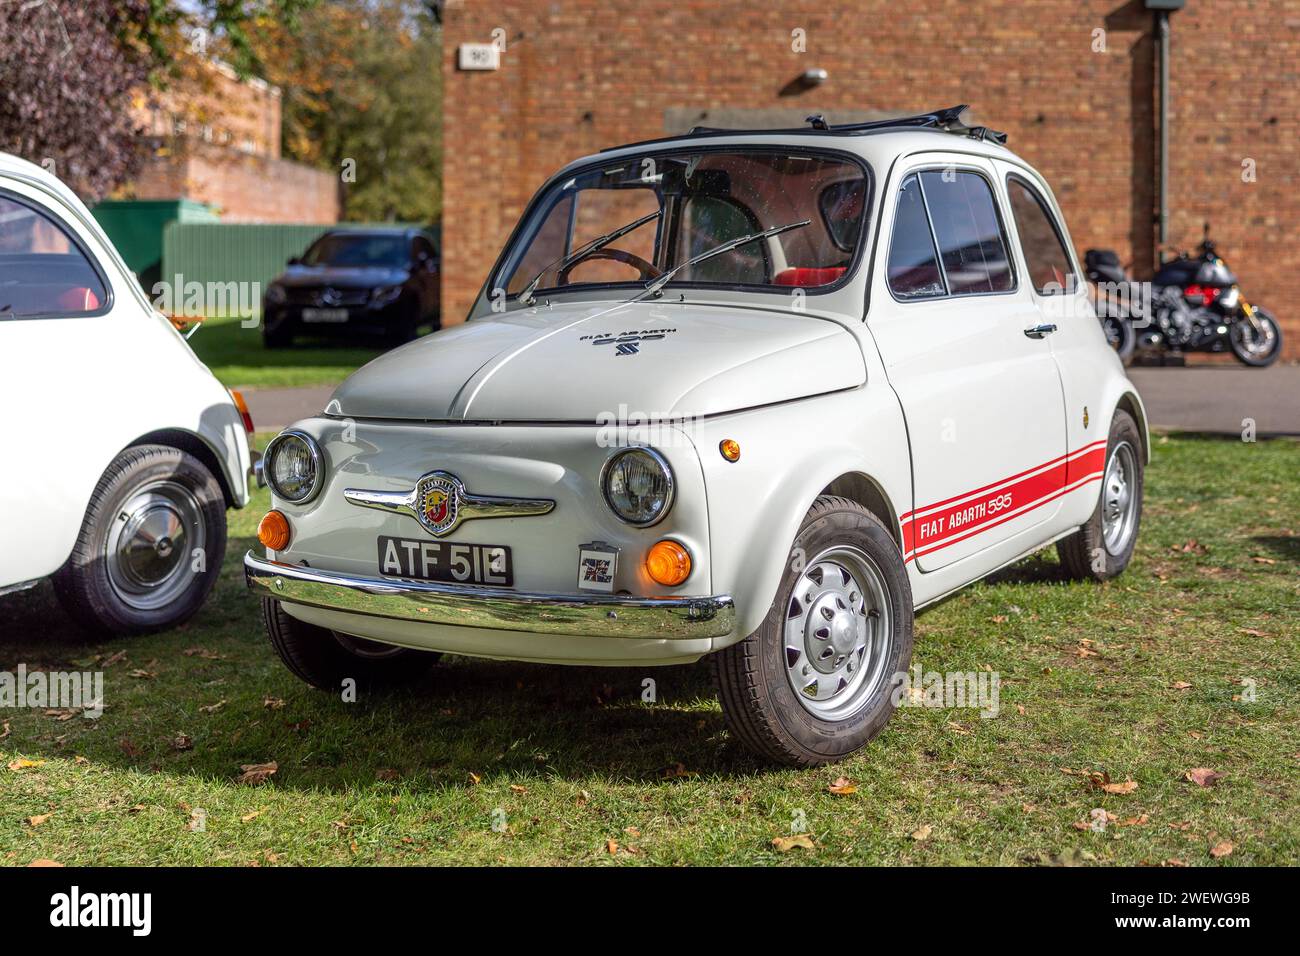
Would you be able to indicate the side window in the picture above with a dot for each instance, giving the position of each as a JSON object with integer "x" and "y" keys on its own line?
{"x": 966, "y": 225}
{"x": 43, "y": 272}
{"x": 913, "y": 267}
{"x": 1040, "y": 240}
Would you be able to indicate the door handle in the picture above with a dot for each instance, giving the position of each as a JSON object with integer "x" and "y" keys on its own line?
{"x": 1038, "y": 331}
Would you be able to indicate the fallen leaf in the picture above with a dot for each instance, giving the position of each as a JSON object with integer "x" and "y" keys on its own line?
{"x": 138, "y": 808}
{"x": 1028, "y": 807}
{"x": 128, "y": 747}
{"x": 1172, "y": 861}
{"x": 474, "y": 779}
{"x": 1252, "y": 632}
{"x": 62, "y": 713}
{"x": 250, "y": 816}
{"x": 202, "y": 652}
{"x": 1180, "y": 685}
{"x": 1128, "y": 786}
{"x": 39, "y": 819}
{"x": 273, "y": 703}
{"x": 999, "y": 619}
{"x": 142, "y": 674}
{"x": 213, "y": 708}
{"x": 1260, "y": 559}
{"x": 1191, "y": 547}
{"x": 923, "y": 833}
{"x": 256, "y": 772}
{"x": 44, "y": 862}
{"x": 633, "y": 832}
{"x": 843, "y": 787}
{"x": 1135, "y": 821}
{"x": 786, "y": 844}
{"x": 4, "y": 732}
{"x": 611, "y": 847}
{"x": 1020, "y": 709}
{"x": 1202, "y": 776}
{"x": 114, "y": 659}
{"x": 675, "y": 771}
{"x": 23, "y": 763}
{"x": 1220, "y": 849}
{"x": 198, "y": 820}
{"x": 388, "y": 773}
{"x": 518, "y": 789}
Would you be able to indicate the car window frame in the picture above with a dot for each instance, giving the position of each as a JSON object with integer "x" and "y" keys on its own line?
{"x": 1041, "y": 200}
{"x": 495, "y": 279}
{"x": 79, "y": 244}
{"x": 943, "y": 272}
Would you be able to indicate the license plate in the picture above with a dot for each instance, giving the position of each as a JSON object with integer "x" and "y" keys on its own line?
{"x": 324, "y": 315}
{"x": 448, "y": 561}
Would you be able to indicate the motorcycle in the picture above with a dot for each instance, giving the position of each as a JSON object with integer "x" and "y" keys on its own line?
{"x": 1193, "y": 304}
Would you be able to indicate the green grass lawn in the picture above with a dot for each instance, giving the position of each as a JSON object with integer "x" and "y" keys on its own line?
{"x": 487, "y": 762}
{"x": 237, "y": 357}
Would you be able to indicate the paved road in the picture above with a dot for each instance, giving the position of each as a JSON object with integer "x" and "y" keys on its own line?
{"x": 1204, "y": 399}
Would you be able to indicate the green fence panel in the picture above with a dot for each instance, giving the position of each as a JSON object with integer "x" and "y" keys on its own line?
{"x": 237, "y": 252}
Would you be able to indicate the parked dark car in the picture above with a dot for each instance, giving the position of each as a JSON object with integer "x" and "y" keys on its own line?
{"x": 358, "y": 283}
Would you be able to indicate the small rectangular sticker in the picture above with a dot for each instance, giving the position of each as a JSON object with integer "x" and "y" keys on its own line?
{"x": 597, "y": 563}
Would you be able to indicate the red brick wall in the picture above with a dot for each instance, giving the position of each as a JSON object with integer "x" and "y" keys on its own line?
{"x": 579, "y": 75}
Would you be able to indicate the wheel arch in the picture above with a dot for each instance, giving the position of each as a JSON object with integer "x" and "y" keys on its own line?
{"x": 866, "y": 491}
{"x": 196, "y": 445}
{"x": 1131, "y": 403}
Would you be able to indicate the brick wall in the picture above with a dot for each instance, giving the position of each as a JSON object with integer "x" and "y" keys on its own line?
{"x": 579, "y": 75}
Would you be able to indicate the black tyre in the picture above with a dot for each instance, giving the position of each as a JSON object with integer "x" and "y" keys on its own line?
{"x": 151, "y": 544}
{"x": 817, "y": 680}
{"x": 1257, "y": 349}
{"x": 1103, "y": 547}
{"x": 324, "y": 658}
{"x": 278, "y": 339}
{"x": 1121, "y": 336}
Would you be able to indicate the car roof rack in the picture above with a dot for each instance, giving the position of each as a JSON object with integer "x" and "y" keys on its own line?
{"x": 947, "y": 120}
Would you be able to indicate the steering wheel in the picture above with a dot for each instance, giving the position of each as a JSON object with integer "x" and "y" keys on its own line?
{"x": 648, "y": 270}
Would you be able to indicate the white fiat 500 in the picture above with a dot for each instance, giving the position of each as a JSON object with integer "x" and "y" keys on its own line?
{"x": 122, "y": 451}
{"x": 756, "y": 395}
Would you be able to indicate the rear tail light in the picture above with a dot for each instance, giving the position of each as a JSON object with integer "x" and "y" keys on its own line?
{"x": 243, "y": 410}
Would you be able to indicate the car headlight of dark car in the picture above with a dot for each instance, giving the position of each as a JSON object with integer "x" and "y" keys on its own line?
{"x": 385, "y": 294}
{"x": 294, "y": 466}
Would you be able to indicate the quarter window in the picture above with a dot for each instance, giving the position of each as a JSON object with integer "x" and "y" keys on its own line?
{"x": 913, "y": 262}
{"x": 1040, "y": 241}
{"x": 43, "y": 271}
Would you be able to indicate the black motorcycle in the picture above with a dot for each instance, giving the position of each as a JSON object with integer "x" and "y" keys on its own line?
{"x": 1192, "y": 305}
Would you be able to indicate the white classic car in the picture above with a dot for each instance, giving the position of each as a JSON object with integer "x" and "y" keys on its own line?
{"x": 125, "y": 451}
{"x": 759, "y": 395}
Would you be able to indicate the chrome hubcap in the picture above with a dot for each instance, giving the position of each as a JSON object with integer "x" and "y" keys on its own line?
{"x": 149, "y": 546}
{"x": 1119, "y": 498}
{"x": 370, "y": 650}
{"x": 838, "y": 633}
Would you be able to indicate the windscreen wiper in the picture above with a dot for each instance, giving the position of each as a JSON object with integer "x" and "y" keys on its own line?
{"x": 586, "y": 249}
{"x": 654, "y": 286}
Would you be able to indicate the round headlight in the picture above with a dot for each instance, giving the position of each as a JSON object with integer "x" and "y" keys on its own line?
{"x": 294, "y": 466}
{"x": 638, "y": 486}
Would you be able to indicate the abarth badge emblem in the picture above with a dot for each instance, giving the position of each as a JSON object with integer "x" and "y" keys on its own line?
{"x": 440, "y": 503}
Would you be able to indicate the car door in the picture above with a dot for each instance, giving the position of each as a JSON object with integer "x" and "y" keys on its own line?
{"x": 961, "y": 342}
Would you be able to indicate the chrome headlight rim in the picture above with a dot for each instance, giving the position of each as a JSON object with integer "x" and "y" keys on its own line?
{"x": 317, "y": 460}
{"x": 669, "y": 495}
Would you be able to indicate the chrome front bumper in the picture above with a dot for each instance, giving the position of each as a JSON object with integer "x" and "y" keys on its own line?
{"x": 459, "y": 605}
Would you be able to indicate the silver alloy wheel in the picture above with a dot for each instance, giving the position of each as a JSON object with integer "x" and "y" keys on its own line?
{"x": 367, "y": 649}
{"x": 150, "y": 547}
{"x": 1119, "y": 502}
{"x": 838, "y": 635}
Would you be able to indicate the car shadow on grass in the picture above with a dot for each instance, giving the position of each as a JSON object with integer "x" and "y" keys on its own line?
{"x": 206, "y": 699}
{"x": 1283, "y": 546}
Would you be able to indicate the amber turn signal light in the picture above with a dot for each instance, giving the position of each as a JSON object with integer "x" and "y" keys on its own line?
{"x": 668, "y": 563}
{"x": 730, "y": 449}
{"x": 273, "y": 531}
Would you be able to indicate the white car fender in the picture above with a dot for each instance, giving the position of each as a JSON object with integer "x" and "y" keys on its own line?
{"x": 789, "y": 455}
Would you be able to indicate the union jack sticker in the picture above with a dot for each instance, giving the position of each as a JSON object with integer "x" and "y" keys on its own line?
{"x": 597, "y": 563}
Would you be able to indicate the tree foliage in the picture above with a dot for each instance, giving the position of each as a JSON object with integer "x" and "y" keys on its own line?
{"x": 361, "y": 82}
{"x": 67, "y": 74}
